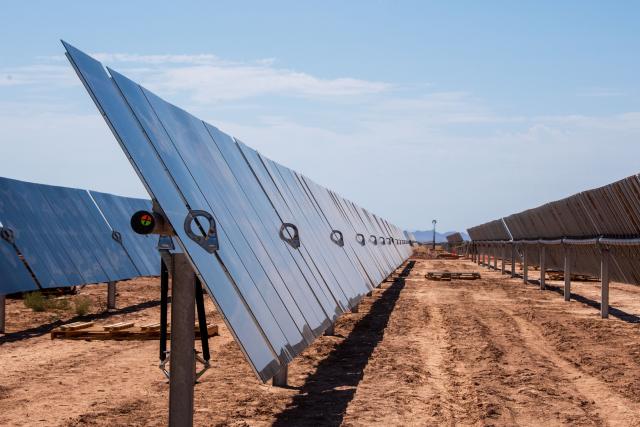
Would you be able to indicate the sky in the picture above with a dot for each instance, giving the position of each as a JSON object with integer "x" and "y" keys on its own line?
{"x": 459, "y": 111}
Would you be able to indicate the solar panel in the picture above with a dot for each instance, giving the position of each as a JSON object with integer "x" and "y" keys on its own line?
{"x": 277, "y": 277}
{"x": 14, "y": 274}
{"x": 26, "y": 213}
{"x": 261, "y": 346}
{"x": 141, "y": 249}
{"x": 612, "y": 211}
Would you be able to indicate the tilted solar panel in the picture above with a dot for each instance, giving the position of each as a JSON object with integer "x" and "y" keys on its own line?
{"x": 14, "y": 276}
{"x": 277, "y": 277}
{"x": 142, "y": 249}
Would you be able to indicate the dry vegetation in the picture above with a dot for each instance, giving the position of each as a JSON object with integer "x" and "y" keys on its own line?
{"x": 485, "y": 352}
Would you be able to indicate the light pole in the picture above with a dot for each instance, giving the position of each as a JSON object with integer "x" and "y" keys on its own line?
{"x": 434, "y": 234}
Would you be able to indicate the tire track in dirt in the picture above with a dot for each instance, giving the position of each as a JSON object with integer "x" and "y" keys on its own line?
{"x": 507, "y": 382}
{"x": 539, "y": 324}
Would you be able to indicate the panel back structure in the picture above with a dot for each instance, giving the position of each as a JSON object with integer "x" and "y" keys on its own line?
{"x": 141, "y": 249}
{"x": 14, "y": 275}
{"x": 65, "y": 240}
{"x": 281, "y": 274}
{"x": 583, "y": 224}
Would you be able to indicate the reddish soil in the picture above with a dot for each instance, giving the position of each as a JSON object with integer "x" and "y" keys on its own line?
{"x": 486, "y": 352}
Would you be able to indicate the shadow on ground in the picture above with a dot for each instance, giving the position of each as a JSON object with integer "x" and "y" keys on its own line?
{"x": 324, "y": 397}
{"x": 615, "y": 312}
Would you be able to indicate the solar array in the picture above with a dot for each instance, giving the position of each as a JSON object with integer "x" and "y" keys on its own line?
{"x": 290, "y": 255}
{"x": 410, "y": 237}
{"x": 455, "y": 238}
{"x": 586, "y": 223}
{"x": 59, "y": 237}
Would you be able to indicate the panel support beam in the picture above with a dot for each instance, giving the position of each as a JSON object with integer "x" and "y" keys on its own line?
{"x": 604, "y": 278}
{"x": 567, "y": 274}
{"x": 525, "y": 266}
{"x": 182, "y": 355}
{"x": 504, "y": 256}
{"x": 495, "y": 258}
{"x": 513, "y": 260}
{"x": 543, "y": 268}
{"x": 111, "y": 295}
{"x": 3, "y": 312}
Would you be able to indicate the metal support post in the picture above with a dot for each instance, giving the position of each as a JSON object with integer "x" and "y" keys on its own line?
{"x": 525, "y": 266}
{"x": 182, "y": 356}
{"x": 495, "y": 258}
{"x": 513, "y": 260}
{"x": 164, "y": 307}
{"x": 111, "y": 295}
{"x": 604, "y": 278}
{"x": 280, "y": 379}
{"x": 504, "y": 255}
{"x": 3, "y": 312}
{"x": 331, "y": 330}
{"x": 567, "y": 274}
{"x": 543, "y": 270}
{"x": 355, "y": 308}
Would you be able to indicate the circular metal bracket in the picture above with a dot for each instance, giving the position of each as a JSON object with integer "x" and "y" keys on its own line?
{"x": 337, "y": 238}
{"x": 382, "y": 240}
{"x": 7, "y": 234}
{"x": 389, "y": 240}
{"x": 209, "y": 242}
{"x": 294, "y": 241}
{"x": 373, "y": 239}
{"x": 360, "y": 239}
{"x": 115, "y": 235}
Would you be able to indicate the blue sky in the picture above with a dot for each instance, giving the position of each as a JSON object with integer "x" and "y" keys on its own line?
{"x": 462, "y": 112}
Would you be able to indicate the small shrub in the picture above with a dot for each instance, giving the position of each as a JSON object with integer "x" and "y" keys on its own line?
{"x": 82, "y": 305}
{"x": 35, "y": 301}
{"x": 57, "y": 304}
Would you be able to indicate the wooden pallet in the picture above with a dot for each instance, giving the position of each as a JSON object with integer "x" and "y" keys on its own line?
{"x": 559, "y": 276}
{"x": 120, "y": 331}
{"x": 448, "y": 256}
{"x": 448, "y": 275}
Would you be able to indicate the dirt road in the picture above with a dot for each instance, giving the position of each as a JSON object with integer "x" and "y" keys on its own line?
{"x": 418, "y": 352}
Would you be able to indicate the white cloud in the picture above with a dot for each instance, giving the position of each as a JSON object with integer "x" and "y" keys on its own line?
{"x": 600, "y": 92}
{"x": 204, "y": 77}
{"x": 405, "y": 154}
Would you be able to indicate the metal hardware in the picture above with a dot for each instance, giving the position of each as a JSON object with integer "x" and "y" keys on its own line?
{"x": 382, "y": 240}
{"x": 167, "y": 372}
{"x": 163, "y": 365}
{"x": 205, "y": 365}
{"x": 7, "y": 234}
{"x": 115, "y": 235}
{"x": 165, "y": 243}
{"x": 360, "y": 239}
{"x": 337, "y": 238}
{"x": 373, "y": 239}
{"x": 294, "y": 241}
{"x": 208, "y": 242}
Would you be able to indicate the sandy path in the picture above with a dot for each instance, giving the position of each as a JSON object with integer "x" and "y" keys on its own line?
{"x": 485, "y": 352}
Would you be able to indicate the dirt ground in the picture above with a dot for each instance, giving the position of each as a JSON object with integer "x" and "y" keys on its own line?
{"x": 487, "y": 352}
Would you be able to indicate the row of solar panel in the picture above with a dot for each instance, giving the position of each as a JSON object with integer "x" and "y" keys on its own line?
{"x": 455, "y": 238}
{"x": 69, "y": 237}
{"x": 612, "y": 211}
{"x": 292, "y": 255}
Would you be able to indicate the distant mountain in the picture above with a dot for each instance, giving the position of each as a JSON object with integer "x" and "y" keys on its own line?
{"x": 427, "y": 235}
